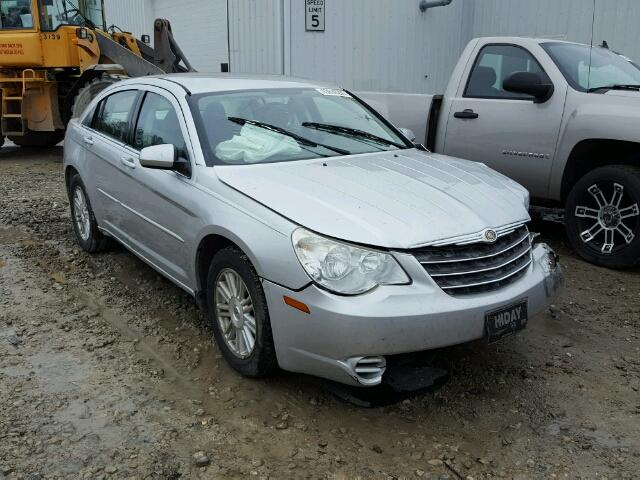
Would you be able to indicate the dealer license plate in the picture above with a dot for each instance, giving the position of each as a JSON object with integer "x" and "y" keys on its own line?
{"x": 505, "y": 321}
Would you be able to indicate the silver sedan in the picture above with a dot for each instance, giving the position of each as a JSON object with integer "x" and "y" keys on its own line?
{"x": 315, "y": 234}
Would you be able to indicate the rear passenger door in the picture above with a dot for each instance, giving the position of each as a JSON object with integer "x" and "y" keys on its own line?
{"x": 162, "y": 219}
{"x": 106, "y": 154}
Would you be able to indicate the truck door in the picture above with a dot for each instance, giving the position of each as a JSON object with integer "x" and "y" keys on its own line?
{"x": 507, "y": 131}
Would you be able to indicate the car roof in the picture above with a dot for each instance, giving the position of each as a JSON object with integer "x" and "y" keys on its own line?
{"x": 197, "y": 83}
{"x": 528, "y": 40}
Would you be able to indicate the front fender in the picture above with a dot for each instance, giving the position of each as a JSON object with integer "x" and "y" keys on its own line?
{"x": 263, "y": 235}
{"x": 602, "y": 118}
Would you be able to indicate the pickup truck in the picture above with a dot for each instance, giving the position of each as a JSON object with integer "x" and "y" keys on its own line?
{"x": 562, "y": 119}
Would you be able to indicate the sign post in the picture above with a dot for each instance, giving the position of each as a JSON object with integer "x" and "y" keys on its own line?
{"x": 314, "y": 21}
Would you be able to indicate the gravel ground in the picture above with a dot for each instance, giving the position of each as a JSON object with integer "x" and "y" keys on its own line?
{"x": 108, "y": 371}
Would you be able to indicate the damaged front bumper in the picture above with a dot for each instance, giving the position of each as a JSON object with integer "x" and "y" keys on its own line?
{"x": 346, "y": 339}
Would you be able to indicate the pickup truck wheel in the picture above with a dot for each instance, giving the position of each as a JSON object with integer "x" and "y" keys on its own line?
{"x": 238, "y": 313}
{"x": 602, "y": 216}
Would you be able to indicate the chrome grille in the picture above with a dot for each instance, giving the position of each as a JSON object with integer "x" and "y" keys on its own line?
{"x": 478, "y": 267}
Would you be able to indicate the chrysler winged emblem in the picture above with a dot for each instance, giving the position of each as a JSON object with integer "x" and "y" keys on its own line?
{"x": 490, "y": 236}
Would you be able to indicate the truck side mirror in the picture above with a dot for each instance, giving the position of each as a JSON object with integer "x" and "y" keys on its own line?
{"x": 529, "y": 83}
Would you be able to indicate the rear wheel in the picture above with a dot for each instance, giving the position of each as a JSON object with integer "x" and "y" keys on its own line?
{"x": 39, "y": 139}
{"x": 603, "y": 216}
{"x": 84, "y": 221}
{"x": 90, "y": 90}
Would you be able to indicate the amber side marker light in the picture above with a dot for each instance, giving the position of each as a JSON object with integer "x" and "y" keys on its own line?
{"x": 292, "y": 302}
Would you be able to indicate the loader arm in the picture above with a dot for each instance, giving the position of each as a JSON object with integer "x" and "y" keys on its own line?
{"x": 168, "y": 54}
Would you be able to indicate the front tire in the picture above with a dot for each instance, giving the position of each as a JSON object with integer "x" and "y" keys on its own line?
{"x": 84, "y": 221}
{"x": 238, "y": 314}
{"x": 602, "y": 216}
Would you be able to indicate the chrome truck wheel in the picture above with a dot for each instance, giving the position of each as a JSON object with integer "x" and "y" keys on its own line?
{"x": 603, "y": 216}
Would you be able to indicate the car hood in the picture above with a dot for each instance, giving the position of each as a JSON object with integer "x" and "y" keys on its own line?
{"x": 399, "y": 199}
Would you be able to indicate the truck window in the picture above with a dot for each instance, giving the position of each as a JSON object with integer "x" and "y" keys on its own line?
{"x": 585, "y": 67}
{"x": 15, "y": 14}
{"x": 54, "y": 14}
{"x": 493, "y": 65}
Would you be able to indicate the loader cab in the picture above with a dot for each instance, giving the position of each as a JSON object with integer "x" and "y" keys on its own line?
{"x": 56, "y": 13}
{"x": 50, "y": 15}
{"x": 16, "y": 14}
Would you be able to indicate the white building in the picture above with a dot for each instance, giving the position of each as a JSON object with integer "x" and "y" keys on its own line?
{"x": 386, "y": 45}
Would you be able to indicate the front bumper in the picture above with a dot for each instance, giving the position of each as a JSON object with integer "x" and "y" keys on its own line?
{"x": 389, "y": 320}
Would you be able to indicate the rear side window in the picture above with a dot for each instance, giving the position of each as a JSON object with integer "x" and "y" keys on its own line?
{"x": 494, "y": 64}
{"x": 158, "y": 124}
{"x": 114, "y": 113}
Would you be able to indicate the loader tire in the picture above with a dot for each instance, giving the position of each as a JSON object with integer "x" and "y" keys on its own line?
{"x": 33, "y": 139}
{"x": 90, "y": 90}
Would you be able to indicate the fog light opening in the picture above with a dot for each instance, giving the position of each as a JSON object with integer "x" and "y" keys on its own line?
{"x": 370, "y": 368}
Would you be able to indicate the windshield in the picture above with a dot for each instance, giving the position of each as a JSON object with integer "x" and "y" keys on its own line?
{"x": 277, "y": 125}
{"x": 15, "y": 14}
{"x": 607, "y": 68}
{"x": 54, "y": 13}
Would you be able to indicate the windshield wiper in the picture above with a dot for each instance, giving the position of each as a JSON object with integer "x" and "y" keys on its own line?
{"x": 352, "y": 132}
{"x": 301, "y": 140}
{"x": 614, "y": 87}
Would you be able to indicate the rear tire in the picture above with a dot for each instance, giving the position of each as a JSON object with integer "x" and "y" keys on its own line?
{"x": 238, "y": 313}
{"x": 602, "y": 216}
{"x": 33, "y": 139}
{"x": 90, "y": 90}
{"x": 84, "y": 221}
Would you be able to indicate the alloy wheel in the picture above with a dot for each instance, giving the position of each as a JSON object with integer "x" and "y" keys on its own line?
{"x": 81, "y": 214}
{"x": 607, "y": 226}
{"x": 235, "y": 313}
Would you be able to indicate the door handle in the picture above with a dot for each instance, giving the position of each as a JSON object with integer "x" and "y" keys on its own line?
{"x": 88, "y": 140}
{"x": 468, "y": 114}
{"x": 128, "y": 162}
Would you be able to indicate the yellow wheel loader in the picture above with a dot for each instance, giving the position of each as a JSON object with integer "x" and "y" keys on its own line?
{"x": 56, "y": 55}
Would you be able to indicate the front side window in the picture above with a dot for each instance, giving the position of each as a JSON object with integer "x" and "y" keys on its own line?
{"x": 114, "y": 114}
{"x": 15, "y": 14}
{"x": 592, "y": 68}
{"x": 54, "y": 13}
{"x": 158, "y": 124}
{"x": 276, "y": 125}
{"x": 494, "y": 64}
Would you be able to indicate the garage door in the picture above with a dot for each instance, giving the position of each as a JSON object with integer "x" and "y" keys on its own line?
{"x": 200, "y": 28}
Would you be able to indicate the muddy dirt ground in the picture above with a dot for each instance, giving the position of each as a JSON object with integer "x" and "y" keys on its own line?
{"x": 108, "y": 371}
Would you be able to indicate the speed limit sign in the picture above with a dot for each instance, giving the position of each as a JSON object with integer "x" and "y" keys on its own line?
{"x": 315, "y": 15}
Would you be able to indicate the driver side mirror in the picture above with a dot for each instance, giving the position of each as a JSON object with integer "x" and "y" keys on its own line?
{"x": 164, "y": 157}
{"x": 529, "y": 83}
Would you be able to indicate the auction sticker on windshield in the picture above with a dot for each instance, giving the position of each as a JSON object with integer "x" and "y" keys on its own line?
{"x": 505, "y": 321}
{"x": 333, "y": 92}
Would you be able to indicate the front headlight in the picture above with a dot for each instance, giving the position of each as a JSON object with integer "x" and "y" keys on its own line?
{"x": 344, "y": 268}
